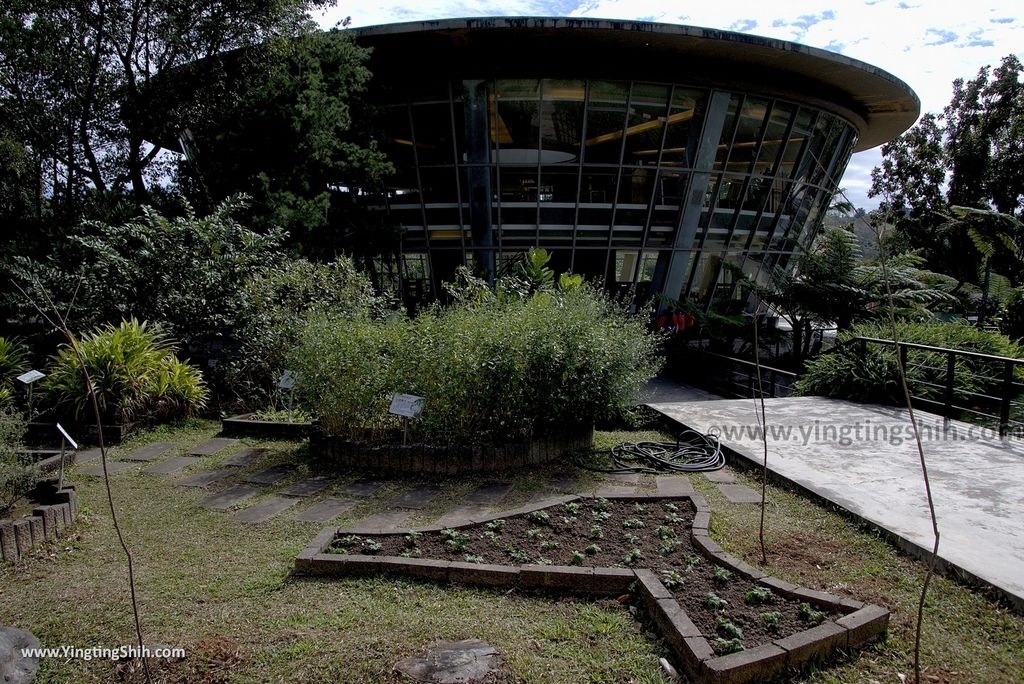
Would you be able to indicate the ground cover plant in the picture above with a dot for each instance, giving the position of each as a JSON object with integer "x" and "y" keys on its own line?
{"x": 17, "y": 473}
{"x": 652, "y": 534}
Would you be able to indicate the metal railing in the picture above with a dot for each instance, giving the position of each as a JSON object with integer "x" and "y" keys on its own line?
{"x": 729, "y": 376}
{"x": 992, "y": 398}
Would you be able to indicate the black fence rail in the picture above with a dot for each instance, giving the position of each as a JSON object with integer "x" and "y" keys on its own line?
{"x": 972, "y": 386}
{"x": 729, "y": 376}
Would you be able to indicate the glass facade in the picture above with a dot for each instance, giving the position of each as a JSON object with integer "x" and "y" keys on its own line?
{"x": 664, "y": 188}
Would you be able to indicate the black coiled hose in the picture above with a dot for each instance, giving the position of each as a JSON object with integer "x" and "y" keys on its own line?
{"x": 691, "y": 452}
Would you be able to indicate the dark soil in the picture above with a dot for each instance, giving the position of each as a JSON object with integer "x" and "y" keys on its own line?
{"x": 650, "y": 534}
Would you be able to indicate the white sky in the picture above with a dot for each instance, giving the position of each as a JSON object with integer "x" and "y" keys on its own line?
{"x": 927, "y": 43}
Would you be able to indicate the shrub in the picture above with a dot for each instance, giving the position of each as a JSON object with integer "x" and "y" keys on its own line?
{"x": 17, "y": 472}
{"x": 13, "y": 362}
{"x": 492, "y": 368}
{"x": 874, "y": 377}
{"x": 135, "y": 374}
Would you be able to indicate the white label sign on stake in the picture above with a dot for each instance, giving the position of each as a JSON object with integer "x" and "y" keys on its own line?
{"x": 73, "y": 443}
{"x": 287, "y": 380}
{"x": 406, "y": 405}
{"x": 31, "y": 376}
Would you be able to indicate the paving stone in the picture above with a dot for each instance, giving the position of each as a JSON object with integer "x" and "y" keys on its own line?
{"x": 113, "y": 467}
{"x": 563, "y": 482}
{"x": 462, "y": 514}
{"x": 673, "y": 485}
{"x": 623, "y": 479}
{"x": 362, "y": 487}
{"x": 417, "y": 497}
{"x": 87, "y": 455}
{"x": 221, "y": 501}
{"x": 309, "y": 487}
{"x": 447, "y": 662}
{"x": 325, "y": 510}
{"x": 725, "y": 476}
{"x": 212, "y": 446}
{"x": 245, "y": 457}
{"x": 171, "y": 465}
{"x": 615, "y": 490}
{"x": 150, "y": 452}
{"x": 489, "y": 493}
{"x": 271, "y": 475}
{"x": 206, "y": 477}
{"x": 738, "y": 493}
{"x": 388, "y": 520}
{"x": 264, "y": 510}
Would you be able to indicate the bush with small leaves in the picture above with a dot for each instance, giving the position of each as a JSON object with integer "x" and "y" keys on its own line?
{"x": 722, "y": 576}
{"x": 759, "y": 596}
{"x": 671, "y": 579}
{"x": 727, "y": 646}
{"x": 815, "y": 617}
{"x": 771, "y": 620}
{"x": 714, "y": 601}
{"x": 577, "y": 558}
{"x": 592, "y": 550}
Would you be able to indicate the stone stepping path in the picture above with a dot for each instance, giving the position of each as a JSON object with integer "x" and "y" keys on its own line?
{"x": 738, "y": 493}
{"x": 87, "y": 455}
{"x": 563, "y": 482}
{"x": 313, "y": 485}
{"x": 417, "y": 497}
{"x": 232, "y": 496}
{"x": 622, "y": 479}
{"x": 150, "y": 452}
{"x": 172, "y": 465}
{"x": 271, "y": 475}
{"x": 489, "y": 493}
{"x": 212, "y": 446}
{"x": 325, "y": 510}
{"x": 723, "y": 475}
{"x": 206, "y": 477}
{"x": 245, "y": 457}
{"x": 449, "y": 662}
{"x": 112, "y": 468}
{"x": 388, "y": 520}
{"x": 264, "y": 510}
{"x": 362, "y": 487}
{"x": 462, "y": 515}
{"x": 673, "y": 485}
{"x": 614, "y": 490}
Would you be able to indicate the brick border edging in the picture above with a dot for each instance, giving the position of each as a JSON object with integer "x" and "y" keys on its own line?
{"x": 860, "y": 623}
{"x": 47, "y": 523}
{"x": 244, "y": 426}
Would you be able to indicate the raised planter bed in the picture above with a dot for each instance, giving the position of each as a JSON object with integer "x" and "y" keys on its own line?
{"x": 84, "y": 433}
{"x": 337, "y": 452}
{"x": 48, "y": 460}
{"x": 725, "y": 620}
{"x": 248, "y": 425}
{"x": 55, "y": 511}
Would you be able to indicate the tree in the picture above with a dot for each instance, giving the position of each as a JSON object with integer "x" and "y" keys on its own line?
{"x": 73, "y": 74}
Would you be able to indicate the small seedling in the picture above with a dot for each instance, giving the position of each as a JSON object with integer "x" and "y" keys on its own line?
{"x": 714, "y": 601}
{"x": 412, "y": 539}
{"x": 455, "y": 540}
{"x": 602, "y": 504}
{"x": 665, "y": 533}
{"x": 567, "y": 522}
{"x": 349, "y": 541}
{"x": 759, "y": 596}
{"x": 811, "y": 615}
{"x": 633, "y": 557}
{"x": 412, "y": 553}
{"x": 490, "y": 535}
{"x": 572, "y": 508}
{"x": 671, "y": 579}
{"x": 534, "y": 533}
{"x": 372, "y": 546}
{"x": 543, "y": 561}
{"x": 726, "y": 646}
{"x": 601, "y": 516}
{"x": 596, "y": 532}
{"x": 669, "y": 547}
{"x": 495, "y": 525}
{"x": 632, "y": 523}
{"x": 771, "y": 620}
{"x": 539, "y": 517}
{"x": 518, "y": 555}
{"x": 722, "y": 576}
{"x": 632, "y": 539}
{"x": 592, "y": 550}
{"x": 577, "y": 558}
{"x": 639, "y": 508}
{"x": 692, "y": 561}
{"x": 548, "y": 545}
{"x": 670, "y": 507}
{"x": 470, "y": 558}
{"x": 729, "y": 629}
{"x": 673, "y": 519}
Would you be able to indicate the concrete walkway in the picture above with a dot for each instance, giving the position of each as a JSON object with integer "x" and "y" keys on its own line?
{"x": 863, "y": 458}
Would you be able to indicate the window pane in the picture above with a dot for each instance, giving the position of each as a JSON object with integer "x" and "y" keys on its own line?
{"x": 645, "y": 123}
{"x": 432, "y": 124}
{"x": 679, "y": 147}
{"x": 606, "y": 117}
{"x": 562, "y": 116}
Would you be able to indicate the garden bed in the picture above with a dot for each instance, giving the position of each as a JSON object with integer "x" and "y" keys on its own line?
{"x": 251, "y": 425}
{"x": 52, "y": 512}
{"x": 340, "y": 453}
{"x": 725, "y": 620}
{"x": 85, "y": 433}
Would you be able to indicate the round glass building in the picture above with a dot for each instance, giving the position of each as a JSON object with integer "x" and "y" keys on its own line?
{"x": 647, "y": 155}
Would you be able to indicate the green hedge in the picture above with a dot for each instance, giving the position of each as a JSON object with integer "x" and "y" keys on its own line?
{"x": 844, "y": 374}
{"x": 493, "y": 369}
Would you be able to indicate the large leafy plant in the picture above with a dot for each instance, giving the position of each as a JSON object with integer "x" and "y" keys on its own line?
{"x": 17, "y": 473}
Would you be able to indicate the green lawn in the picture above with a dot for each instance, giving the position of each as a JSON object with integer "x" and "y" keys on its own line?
{"x": 222, "y": 590}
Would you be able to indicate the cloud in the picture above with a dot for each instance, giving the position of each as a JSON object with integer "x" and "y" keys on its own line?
{"x": 743, "y": 25}
{"x": 942, "y": 36}
{"x": 1003, "y": 20}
